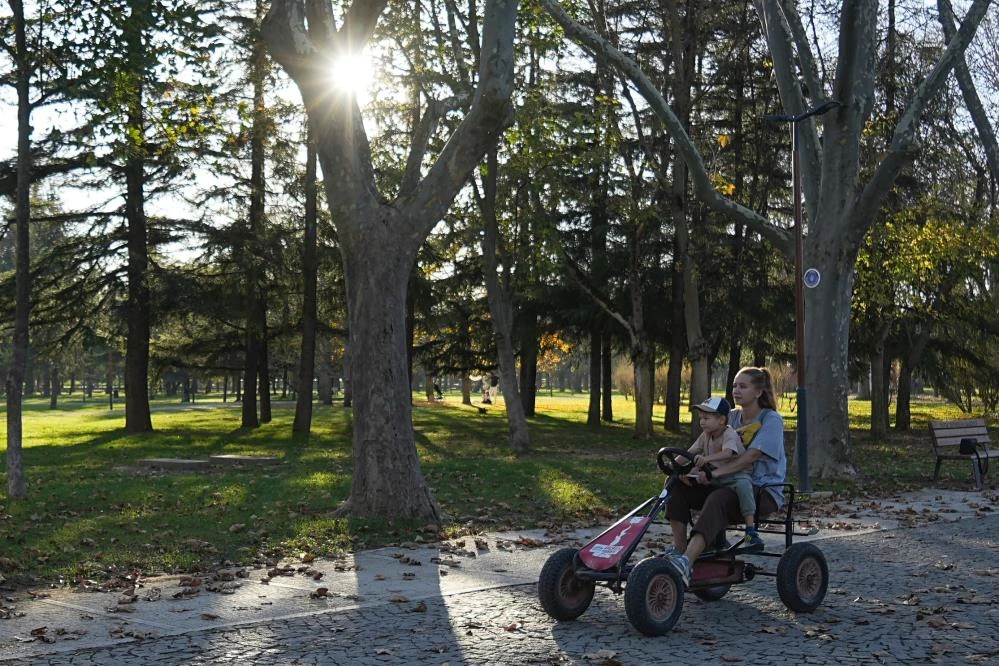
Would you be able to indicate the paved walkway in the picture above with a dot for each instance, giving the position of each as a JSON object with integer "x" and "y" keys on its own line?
{"x": 897, "y": 596}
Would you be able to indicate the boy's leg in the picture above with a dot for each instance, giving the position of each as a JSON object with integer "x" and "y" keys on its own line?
{"x": 742, "y": 484}
{"x": 743, "y": 487}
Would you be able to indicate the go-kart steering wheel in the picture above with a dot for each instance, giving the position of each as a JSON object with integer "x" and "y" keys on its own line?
{"x": 670, "y": 466}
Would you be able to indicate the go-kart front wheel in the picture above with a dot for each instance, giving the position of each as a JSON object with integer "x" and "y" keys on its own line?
{"x": 653, "y": 597}
{"x": 563, "y": 595}
{"x": 802, "y": 577}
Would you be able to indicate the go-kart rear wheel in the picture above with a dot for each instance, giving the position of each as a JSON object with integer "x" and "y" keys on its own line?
{"x": 562, "y": 594}
{"x": 713, "y": 593}
{"x": 653, "y": 597}
{"x": 802, "y": 577}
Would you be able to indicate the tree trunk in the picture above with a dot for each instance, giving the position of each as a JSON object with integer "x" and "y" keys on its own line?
{"x": 607, "y": 379}
{"x": 251, "y": 358}
{"x": 827, "y": 377}
{"x": 138, "y": 306}
{"x": 734, "y": 365}
{"x": 466, "y": 390}
{"x": 387, "y": 480}
{"x": 593, "y": 412}
{"x": 55, "y": 386}
{"x": 500, "y": 301}
{"x": 879, "y": 384}
{"x": 348, "y": 375}
{"x": 645, "y": 372}
{"x": 256, "y": 315}
{"x": 879, "y": 392}
{"x": 864, "y": 385}
{"x": 17, "y": 486}
{"x": 682, "y": 35}
{"x": 264, "y": 367}
{"x": 910, "y": 361}
{"x": 529, "y": 362}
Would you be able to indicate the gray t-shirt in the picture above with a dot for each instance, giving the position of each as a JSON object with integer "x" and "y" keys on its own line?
{"x": 771, "y": 467}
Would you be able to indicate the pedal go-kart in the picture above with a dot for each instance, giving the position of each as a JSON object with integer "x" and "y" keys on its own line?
{"x": 653, "y": 589}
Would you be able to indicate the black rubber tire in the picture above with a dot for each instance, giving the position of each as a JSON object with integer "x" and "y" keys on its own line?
{"x": 713, "y": 593}
{"x": 562, "y": 594}
{"x": 653, "y": 597}
{"x": 802, "y": 577}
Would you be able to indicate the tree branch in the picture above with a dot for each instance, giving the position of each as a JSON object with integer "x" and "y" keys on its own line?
{"x": 703, "y": 189}
{"x": 597, "y": 298}
{"x": 490, "y": 112}
{"x": 903, "y": 141}
{"x": 806, "y": 62}
{"x": 981, "y": 119}
{"x": 344, "y": 150}
{"x": 421, "y": 139}
{"x": 778, "y": 32}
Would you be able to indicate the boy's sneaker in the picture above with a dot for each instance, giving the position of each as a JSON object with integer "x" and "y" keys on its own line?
{"x": 752, "y": 539}
{"x": 683, "y": 567}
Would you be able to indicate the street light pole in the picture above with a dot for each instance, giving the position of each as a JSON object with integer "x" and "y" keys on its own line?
{"x": 801, "y": 397}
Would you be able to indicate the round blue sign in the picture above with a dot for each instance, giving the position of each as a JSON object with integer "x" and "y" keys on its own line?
{"x": 812, "y": 278}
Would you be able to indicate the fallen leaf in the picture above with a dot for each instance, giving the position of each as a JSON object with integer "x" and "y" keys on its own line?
{"x": 398, "y": 599}
{"x": 209, "y": 616}
{"x": 731, "y": 657}
{"x": 514, "y": 627}
{"x": 319, "y": 593}
{"x": 600, "y": 654}
{"x": 419, "y": 608}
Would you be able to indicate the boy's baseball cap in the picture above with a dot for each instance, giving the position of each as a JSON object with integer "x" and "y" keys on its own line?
{"x": 713, "y": 406}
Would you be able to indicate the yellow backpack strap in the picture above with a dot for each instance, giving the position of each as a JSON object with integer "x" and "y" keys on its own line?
{"x": 748, "y": 432}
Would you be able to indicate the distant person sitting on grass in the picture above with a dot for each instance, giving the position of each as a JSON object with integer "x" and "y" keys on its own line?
{"x": 719, "y": 443}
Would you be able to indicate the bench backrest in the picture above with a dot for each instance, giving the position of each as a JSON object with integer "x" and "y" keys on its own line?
{"x": 950, "y": 433}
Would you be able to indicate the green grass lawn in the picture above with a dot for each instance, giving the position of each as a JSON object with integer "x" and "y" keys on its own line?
{"x": 92, "y": 514}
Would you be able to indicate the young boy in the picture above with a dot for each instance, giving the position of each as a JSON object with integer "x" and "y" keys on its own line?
{"x": 718, "y": 443}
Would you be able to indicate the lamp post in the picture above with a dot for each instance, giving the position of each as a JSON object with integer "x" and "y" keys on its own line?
{"x": 801, "y": 443}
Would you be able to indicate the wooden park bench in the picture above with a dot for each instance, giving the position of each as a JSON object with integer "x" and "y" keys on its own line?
{"x": 947, "y": 436}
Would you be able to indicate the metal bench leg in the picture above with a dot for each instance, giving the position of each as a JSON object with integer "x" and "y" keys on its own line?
{"x": 977, "y": 467}
{"x": 936, "y": 470}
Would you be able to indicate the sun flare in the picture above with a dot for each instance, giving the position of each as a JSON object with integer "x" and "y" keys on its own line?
{"x": 352, "y": 73}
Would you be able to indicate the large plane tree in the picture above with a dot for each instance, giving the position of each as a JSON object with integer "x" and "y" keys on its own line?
{"x": 380, "y": 235}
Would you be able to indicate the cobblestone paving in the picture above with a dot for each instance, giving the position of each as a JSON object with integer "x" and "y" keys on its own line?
{"x": 914, "y": 596}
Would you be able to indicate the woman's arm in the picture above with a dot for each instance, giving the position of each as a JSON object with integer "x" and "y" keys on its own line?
{"x": 745, "y": 460}
{"x": 724, "y": 455}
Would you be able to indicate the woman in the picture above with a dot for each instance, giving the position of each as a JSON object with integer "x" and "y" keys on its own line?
{"x": 753, "y": 392}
